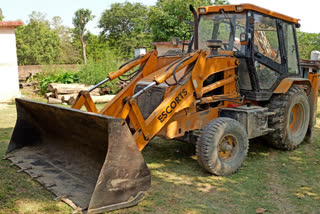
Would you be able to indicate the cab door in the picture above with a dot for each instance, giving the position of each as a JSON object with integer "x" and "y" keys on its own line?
{"x": 269, "y": 57}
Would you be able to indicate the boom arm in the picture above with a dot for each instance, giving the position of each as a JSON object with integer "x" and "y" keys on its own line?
{"x": 184, "y": 94}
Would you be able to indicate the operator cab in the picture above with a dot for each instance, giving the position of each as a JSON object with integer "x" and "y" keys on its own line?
{"x": 264, "y": 41}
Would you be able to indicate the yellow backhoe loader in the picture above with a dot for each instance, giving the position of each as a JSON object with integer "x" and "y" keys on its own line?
{"x": 240, "y": 79}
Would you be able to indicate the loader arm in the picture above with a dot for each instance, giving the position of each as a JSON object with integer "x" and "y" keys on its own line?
{"x": 124, "y": 105}
{"x": 182, "y": 96}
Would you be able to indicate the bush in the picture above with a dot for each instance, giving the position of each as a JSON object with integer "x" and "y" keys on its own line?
{"x": 55, "y": 76}
{"x": 96, "y": 71}
{"x": 90, "y": 74}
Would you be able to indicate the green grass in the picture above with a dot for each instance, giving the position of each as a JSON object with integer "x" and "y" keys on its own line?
{"x": 278, "y": 181}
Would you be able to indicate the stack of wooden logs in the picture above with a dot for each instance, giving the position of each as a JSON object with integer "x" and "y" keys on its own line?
{"x": 67, "y": 93}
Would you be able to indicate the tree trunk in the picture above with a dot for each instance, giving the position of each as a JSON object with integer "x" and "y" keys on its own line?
{"x": 83, "y": 44}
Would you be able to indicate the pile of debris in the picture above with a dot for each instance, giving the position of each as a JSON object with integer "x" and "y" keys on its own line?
{"x": 67, "y": 93}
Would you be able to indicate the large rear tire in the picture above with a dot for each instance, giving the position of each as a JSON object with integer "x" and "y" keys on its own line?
{"x": 222, "y": 146}
{"x": 291, "y": 119}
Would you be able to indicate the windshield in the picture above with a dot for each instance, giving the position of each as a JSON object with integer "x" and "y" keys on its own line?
{"x": 219, "y": 27}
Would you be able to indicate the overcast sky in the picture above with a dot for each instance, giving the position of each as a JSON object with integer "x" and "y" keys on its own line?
{"x": 305, "y": 10}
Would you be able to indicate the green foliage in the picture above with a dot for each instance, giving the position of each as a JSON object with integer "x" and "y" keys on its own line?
{"x": 307, "y": 42}
{"x": 92, "y": 73}
{"x": 56, "y": 76}
{"x": 80, "y": 20}
{"x": 125, "y": 27}
{"x": 36, "y": 42}
{"x": 96, "y": 47}
{"x": 68, "y": 53}
{"x": 167, "y": 18}
{"x": 96, "y": 71}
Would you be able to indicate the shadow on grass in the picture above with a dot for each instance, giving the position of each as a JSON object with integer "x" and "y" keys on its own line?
{"x": 173, "y": 154}
{"x": 174, "y": 167}
{"x": 18, "y": 193}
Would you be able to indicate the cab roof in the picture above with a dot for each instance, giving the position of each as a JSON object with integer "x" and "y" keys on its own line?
{"x": 242, "y": 7}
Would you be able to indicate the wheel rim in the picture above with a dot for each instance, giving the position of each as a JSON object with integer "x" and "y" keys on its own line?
{"x": 227, "y": 147}
{"x": 296, "y": 118}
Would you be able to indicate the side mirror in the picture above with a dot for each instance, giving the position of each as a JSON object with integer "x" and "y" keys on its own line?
{"x": 243, "y": 38}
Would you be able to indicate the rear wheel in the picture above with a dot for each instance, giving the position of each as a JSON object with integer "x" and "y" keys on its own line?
{"x": 222, "y": 146}
{"x": 291, "y": 119}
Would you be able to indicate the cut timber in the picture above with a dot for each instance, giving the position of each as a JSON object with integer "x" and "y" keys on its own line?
{"x": 49, "y": 94}
{"x": 54, "y": 101}
{"x": 102, "y": 99}
{"x": 59, "y": 88}
{"x": 59, "y": 96}
{"x": 67, "y": 97}
{"x": 96, "y": 99}
{"x": 94, "y": 93}
{"x": 71, "y": 100}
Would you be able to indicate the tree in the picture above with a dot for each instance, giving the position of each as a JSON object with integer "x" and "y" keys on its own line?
{"x": 38, "y": 17}
{"x": 125, "y": 27}
{"x": 68, "y": 54}
{"x": 307, "y": 42}
{"x": 97, "y": 47}
{"x": 36, "y": 42}
{"x": 167, "y": 18}
{"x": 80, "y": 20}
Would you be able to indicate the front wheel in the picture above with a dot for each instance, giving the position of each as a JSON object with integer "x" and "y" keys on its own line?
{"x": 222, "y": 146}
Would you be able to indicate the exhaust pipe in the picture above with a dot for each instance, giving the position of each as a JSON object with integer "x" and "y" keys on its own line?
{"x": 195, "y": 27}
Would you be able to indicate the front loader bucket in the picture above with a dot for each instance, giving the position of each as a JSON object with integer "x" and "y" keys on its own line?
{"x": 87, "y": 158}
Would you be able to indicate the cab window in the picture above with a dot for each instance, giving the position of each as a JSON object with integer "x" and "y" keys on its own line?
{"x": 291, "y": 50}
{"x": 266, "y": 40}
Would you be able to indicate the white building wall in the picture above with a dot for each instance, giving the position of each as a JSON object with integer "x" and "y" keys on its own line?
{"x": 9, "y": 80}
